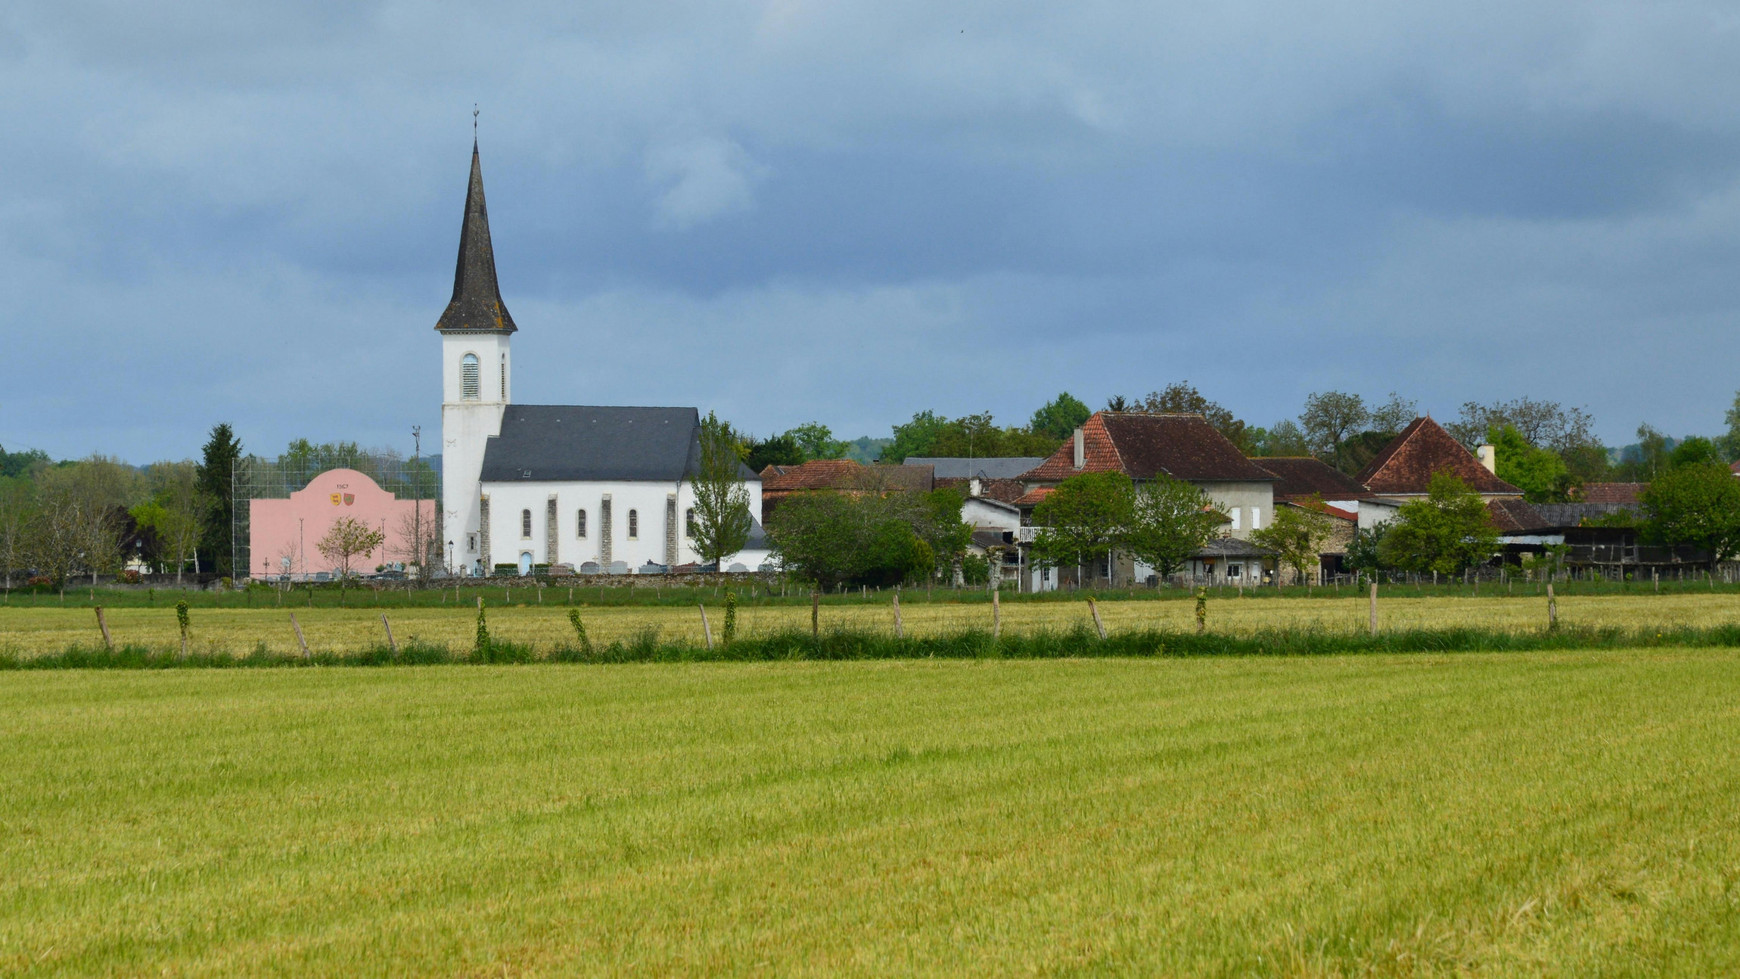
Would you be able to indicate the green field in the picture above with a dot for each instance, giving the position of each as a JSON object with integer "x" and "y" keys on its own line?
{"x": 1565, "y": 814}
{"x": 27, "y": 630}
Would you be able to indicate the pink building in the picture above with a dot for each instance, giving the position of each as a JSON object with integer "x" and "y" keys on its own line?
{"x": 284, "y": 535}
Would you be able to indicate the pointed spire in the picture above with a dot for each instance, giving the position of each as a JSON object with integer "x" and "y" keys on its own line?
{"x": 476, "y": 303}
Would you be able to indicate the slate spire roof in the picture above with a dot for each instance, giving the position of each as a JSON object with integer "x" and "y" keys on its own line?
{"x": 476, "y": 304}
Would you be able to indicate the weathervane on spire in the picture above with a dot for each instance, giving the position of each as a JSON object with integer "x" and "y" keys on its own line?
{"x": 474, "y": 122}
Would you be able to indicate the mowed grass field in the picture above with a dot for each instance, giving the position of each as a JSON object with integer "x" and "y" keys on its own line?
{"x": 27, "y": 631}
{"x": 1541, "y": 814}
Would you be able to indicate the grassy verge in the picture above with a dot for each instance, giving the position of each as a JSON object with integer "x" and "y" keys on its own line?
{"x": 1078, "y": 643}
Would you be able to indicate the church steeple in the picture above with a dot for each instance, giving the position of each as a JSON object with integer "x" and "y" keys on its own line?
{"x": 476, "y": 305}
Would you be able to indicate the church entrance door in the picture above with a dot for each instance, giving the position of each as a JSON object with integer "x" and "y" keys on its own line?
{"x": 525, "y": 563}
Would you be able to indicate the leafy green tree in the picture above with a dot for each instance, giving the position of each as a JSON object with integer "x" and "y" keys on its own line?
{"x": 1389, "y": 418}
{"x": 1446, "y": 532}
{"x": 175, "y": 512}
{"x": 82, "y": 507}
{"x": 1170, "y": 520}
{"x": 722, "y": 517}
{"x": 1084, "y": 519}
{"x": 1060, "y": 417}
{"x": 1731, "y": 441}
{"x": 1365, "y": 551}
{"x": 1285, "y": 438}
{"x": 1329, "y": 418}
{"x": 1651, "y": 454}
{"x": 817, "y": 441}
{"x": 21, "y": 463}
{"x": 1539, "y": 473}
{"x": 1297, "y": 535}
{"x": 778, "y": 450}
{"x": 1353, "y": 453}
{"x": 829, "y": 538}
{"x": 216, "y": 471}
{"x": 916, "y": 437}
{"x": 1696, "y": 451}
{"x": 1696, "y": 505}
{"x": 937, "y": 521}
{"x": 18, "y": 515}
{"x": 346, "y": 540}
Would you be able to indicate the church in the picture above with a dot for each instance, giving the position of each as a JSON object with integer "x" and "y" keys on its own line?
{"x": 526, "y": 487}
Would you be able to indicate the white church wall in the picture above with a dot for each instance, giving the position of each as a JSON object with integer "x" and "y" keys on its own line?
{"x": 508, "y": 502}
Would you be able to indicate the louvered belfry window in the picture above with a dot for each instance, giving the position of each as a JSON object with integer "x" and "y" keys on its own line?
{"x": 468, "y": 378}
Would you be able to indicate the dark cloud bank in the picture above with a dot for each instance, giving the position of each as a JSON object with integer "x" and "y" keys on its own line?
{"x": 848, "y": 212}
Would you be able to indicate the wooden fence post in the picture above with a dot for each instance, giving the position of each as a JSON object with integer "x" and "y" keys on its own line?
{"x": 1552, "y": 608}
{"x": 898, "y": 631}
{"x": 1374, "y": 608}
{"x": 996, "y": 613}
{"x": 1094, "y": 610}
{"x": 815, "y": 612}
{"x": 103, "y": 624}
{"x": 706, "y": 629}
{"x": 300, "y": 641}
{"x": 389, "y": 627}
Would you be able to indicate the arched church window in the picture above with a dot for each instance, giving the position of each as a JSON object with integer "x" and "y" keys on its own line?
{"x": 579, "y": 523}
{"x": 468, "y": 378}
{"x": 633, "y": 524}
{"x": 689, "y": 523}
{"x": 525, "y": 523}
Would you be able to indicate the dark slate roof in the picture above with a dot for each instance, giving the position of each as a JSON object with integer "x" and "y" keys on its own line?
{"x": 1421, "y": 451}
{"x": 476, "y": 304}
{"x": 956, "y": 467}
{"x": 1183, "y": 446}
{"x": 1227, "y": 547}
{"x": 1301, "y": 476}
{"x": 1516, "y": 517}
{"x": 580, "y": 442}
{"x": 1563, "y": 515}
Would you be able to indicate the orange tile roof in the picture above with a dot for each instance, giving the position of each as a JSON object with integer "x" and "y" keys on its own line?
{"x": 1423, "y": 450}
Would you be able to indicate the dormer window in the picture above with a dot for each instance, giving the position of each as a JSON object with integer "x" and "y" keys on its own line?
{"x": 468, "y": 378}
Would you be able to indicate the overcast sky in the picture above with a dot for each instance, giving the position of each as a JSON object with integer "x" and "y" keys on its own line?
{"x": 848, "y": 212}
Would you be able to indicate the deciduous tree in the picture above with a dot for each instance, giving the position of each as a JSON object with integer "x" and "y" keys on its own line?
{"x": 722, "y": 517}
{"x": 1539, "y": 473}
{"x": 1170, "y": 520}
{"x": 1697, "y": 505}
{"x": 1058, "y": 418}
{"x": 1297, "y": 535}
{"x": 175, "y": 512}
{"x": 1084, "y": 519}
{"x": 346, "y": 540}
{"x": 1446, "y": 532}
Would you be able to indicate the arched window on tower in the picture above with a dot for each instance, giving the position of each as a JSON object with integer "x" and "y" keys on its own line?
{"x": 468, "y": 378}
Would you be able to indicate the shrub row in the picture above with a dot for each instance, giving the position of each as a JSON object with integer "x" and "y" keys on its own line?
{"x": 649, "y": 647}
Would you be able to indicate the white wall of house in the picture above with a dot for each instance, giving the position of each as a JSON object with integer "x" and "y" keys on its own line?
{"x": 980, "y": 512}
{"x": 1251, "y": 506}
{"x": 508, "y": 542}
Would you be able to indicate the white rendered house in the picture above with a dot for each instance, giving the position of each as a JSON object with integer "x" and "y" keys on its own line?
{"x": 598, "y": 488}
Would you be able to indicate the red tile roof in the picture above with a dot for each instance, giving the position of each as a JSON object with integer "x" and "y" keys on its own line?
{"x": 845, "y": 474}
{"x": 1315, "y": 506}
{"x": 1302, "y": 476}
{"x": 1610, "y": 492}
{"x": 1140, "y": 445}
{"x": 1423, "y": 450}
{"x": 1033, "y": 496}
{"x": 1001, "y": 490}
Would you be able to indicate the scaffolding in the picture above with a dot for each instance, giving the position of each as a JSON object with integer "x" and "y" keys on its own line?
{"x": 256, "y": 478}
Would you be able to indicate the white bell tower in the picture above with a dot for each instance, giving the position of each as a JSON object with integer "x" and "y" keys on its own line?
{"x": 476, "y": 379}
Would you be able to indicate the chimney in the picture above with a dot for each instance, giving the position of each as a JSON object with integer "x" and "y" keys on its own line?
{"x": 1488, "y": 458}
{"x": 974, "y": 487}
{"x": 1080, "y": 448}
